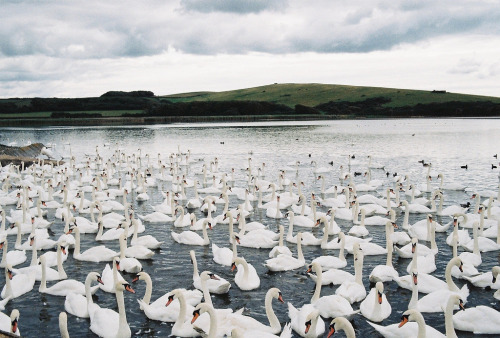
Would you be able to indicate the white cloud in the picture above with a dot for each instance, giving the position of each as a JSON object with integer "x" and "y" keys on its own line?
{"x": 55, "y": 48}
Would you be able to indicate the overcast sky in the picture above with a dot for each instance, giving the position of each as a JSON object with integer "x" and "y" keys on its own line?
{"x": 85, "y": 48}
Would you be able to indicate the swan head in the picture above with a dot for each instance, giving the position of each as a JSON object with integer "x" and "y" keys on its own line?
{"x": 198, "y": 310}
{"x": 122, "y": 286}
{"x": 276, "y": 293}
{"x": 310, "y": 317}
{"x": 380, "y": 291}
{"x": 206, "y": 275}
{"x": 314, "y": 267}
{"x": 140, "y": 276}
{"x": 457, "y": 262}
{"x": 495, "y": 271}
{"x": 409, "y": 315}
{"x": 14, "y": 318}
{"x": 414, "y": 275}
{"x": 237, "y": 238}
{"x": 8, "y": 271}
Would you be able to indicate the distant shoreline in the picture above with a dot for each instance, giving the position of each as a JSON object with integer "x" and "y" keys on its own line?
{"x": 124, "y": 121}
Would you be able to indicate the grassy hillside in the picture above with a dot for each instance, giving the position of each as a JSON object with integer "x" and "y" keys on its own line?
{"x": 314, "y": 94}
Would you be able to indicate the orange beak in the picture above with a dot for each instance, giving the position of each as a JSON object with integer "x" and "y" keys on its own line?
{"x": 14, "y": 325}
{"x": 308, "y": 326}
{"x": 196, "y": 314}
{"x": 404, "y": 320}
{"x": 99, "y": 280}
{"x": 136, "y": 278}
{"x": 415, "y": 279}
{"x": 129, "y": 288}
{"x": 331, "y": 332}
{"x": 170, "y": 300}
{"x": 233, "y": 266}
{"x": 280, "y": 298}
{"x": 63, "y": 249}
{"x": 379, "y": 297}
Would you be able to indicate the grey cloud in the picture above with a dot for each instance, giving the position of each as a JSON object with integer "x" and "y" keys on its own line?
{"x": 233, "y": 6}
{"x": 96, "y": 30}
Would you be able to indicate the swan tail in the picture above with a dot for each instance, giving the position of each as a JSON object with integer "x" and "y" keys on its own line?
{"x": 141, "y": 217}
{"x": 287, "y": 331}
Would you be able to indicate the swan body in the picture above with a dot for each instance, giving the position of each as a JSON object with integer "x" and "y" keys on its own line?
{"x": 108, "y": 323}
{"x": 77, "y": 304}
{"x": 285, "y": 262}
{"x": 191, "y": 237}
{"x": 375, "y": 306}
{"x": 246, "y": 278}
{"x": 298, "y": 318}
{"x": 218, "y": 286}
{"x": 17, "y": 285}
{"x": 479, "y": 320}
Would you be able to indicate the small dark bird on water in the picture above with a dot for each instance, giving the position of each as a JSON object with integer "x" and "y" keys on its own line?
{"x": 330, "y": 163}
{"x": 395, "y": 174}
{"x": 495, "y": 156}
{"x": 421, "y": 161}
{"x": 357, "y": 173}
{"x": 465, "y": 205}
{"x": 353, "y": 156}
{"x": 310, "y": 155}
{"x": 493, "y": 166}
{"x": 464, "y": 167}
{"x": 387, "y": 174}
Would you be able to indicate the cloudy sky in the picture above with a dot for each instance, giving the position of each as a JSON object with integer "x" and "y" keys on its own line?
{"x": 85, "y": 48}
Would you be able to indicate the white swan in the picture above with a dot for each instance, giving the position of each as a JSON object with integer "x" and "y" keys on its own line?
{"x": 436, "y": 300}
{"x": 17, "y": 285}
{"x": 164, "y": 308}
{"x": 62, "y": 288}
{"x": 354, "y": 291}
{"x": 13, "y": 257}
{"x": 110, "y": 276}
{"x": 148, "y": 241}
{"x": 332, "y": 262}
{"x": 224, "y": 256}
{"x": 279, "y": 249}
{"x": 385, "y": 272}
{"x": 77, "y": 304}
{"x": 94, "y": 254}
{"x": 106, "y": 322}
{"x": 340, "y": 323}
{"x": 299, "y": 318}
{"x": 218, "y": 286}
{"x": 133, "y": 253}
{"x": 479, "y": 320}
{"x": 375, "y": 306}
{"x": 328, "y": 306}
{"x": 285, "y": 262}
{"x": 10, "y": 323}
{"x": 191, "y": 237}
{"x": 246, "y": 278}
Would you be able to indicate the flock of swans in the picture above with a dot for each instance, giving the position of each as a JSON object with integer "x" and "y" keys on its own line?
{"x": 261, "y": 228}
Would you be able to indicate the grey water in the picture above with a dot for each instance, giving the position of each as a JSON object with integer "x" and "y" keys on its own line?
{"x": 399, "y": 144}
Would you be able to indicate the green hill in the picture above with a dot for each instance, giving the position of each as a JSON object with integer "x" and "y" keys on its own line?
{"x": 314, "y": 94}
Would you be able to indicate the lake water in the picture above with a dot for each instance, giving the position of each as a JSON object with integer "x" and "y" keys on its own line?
{"x": 399, "y": 144}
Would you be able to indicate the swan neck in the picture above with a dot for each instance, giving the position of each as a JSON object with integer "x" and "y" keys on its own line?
{"x": 342, "y": 247}
{"x": 34, "y": 254}
{"x": 271, "y": 316}
{"x": 358, "y": 269}
{"x": 476, "y": 241}
{"x": 43, "y": 282}
{"x": 122, "y": 324}
{"x": 449, "y": 280}
{"x": 206, "y": 240}
{"x": 300, "y": 255}
{"x": 448, "y": 320}
{"x": 149, "y": 289}
{"x": 280, "y": 242}
{"x": 414, "y": 296}
{"x": 317, "y": 289}
{"x": 76, "y": 251}
{"x": 123, "y": 247}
